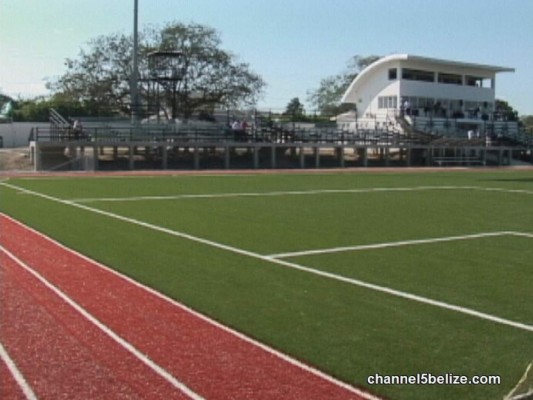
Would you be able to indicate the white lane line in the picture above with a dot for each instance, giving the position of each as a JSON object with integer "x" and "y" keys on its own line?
{"x": 15, "y": 372}
{"x": 203, "y": 317}
{"x": 393, "y": 244}
{"x": 108, "y": 331}
{"x": 340, "y": 278}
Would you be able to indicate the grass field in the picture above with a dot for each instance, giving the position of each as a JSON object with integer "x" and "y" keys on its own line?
{"x": 355, "y": 273}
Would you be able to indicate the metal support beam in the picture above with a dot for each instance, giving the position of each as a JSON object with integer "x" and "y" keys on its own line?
{"x": 340, "y": 152}
{"x": 196, "y": 157}
{"x": 164, "y": 153}
{"x": 131, "y": 151}
{"x": 273, "y": 150}
{"x": 256, "y": 156}
{"x": 95, "y": 158}
{"x": 227, "y": 152}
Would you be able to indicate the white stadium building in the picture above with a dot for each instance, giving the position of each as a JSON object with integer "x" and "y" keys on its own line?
{"x": 431, "y": 93}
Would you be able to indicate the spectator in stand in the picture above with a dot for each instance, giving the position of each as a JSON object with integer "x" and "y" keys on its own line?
{"x": 407, "y": 107}
{"x": 77, "y": 129}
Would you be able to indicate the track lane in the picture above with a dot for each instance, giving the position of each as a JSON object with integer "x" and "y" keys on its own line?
{"x": 62, "y": 355}
{"x": 9, "y": 388}
{"x": 211, "y": 361}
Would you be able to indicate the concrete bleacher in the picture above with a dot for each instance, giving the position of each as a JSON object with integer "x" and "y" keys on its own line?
{"x": 402, "y": 141}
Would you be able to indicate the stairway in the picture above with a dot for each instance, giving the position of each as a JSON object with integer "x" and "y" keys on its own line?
{"x": 416, "y": 135}
{"x": 59, "y": 126}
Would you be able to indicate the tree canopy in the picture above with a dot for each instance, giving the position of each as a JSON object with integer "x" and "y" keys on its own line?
{"x": 208, "y": 75}
{"x": 506, "y": 110}
{"x": 527, "y": 121}
{"x": 326, "y": 98}
{"x": 295, "y": 108}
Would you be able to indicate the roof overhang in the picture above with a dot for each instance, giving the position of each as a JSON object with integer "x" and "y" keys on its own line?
{"x": 438, "y": 61}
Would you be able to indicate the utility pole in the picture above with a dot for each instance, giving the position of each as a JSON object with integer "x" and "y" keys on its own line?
{"x": 135, "y": 73}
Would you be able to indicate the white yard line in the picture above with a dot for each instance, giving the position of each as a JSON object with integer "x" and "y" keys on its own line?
{"x": 17, "y": 375}
{"x": 105, "y": 329}
{"x": 339, "y": 278}
{"x": 396, "y": 244}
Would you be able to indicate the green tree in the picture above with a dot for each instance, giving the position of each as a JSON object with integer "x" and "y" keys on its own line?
{"x": 209, "y": 76}
{"x": 38, "y": 108}
{"x": 506, "y": 110}
{"x": 98, "y": 77}
{"x": 295, "y": 109}
{"x": 327, "y": 97}
{"x": 527, "y": 121}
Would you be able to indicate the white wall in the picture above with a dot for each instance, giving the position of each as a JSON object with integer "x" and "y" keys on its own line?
{"x": 16, "y": 134}
{"x": 443, "y": 91}
{"x": 376, "y": 84}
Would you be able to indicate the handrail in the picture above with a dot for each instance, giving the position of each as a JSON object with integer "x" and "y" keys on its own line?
{"x": 57, "y": 119}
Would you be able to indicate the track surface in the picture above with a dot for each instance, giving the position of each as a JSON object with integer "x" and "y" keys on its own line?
{"x": 74, "y": 329}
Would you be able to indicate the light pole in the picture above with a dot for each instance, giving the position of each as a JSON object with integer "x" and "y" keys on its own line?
{"x": 135, "y": 73}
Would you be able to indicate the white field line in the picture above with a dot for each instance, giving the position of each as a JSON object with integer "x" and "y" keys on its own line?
{"x": 15, "y": 372}
{"x": 108, "y": 331}
{"x": 249, "y": 194}
{"x": 293, "y": 193}
{"x": 152, "y": 175}
{"x": 396, "y": 244}
{"x": 340, "y": 278}
{"x": 522, "y": 234}
{"x": 503, "y": 190}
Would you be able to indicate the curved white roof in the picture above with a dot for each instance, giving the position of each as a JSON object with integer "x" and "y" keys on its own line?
{"x": 363, "y": 75}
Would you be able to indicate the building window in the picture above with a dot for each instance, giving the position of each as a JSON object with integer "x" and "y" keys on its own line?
{"x": 418, "y": 75}
{"x": 387, "y": 102}
{"x": 451, "y": 79}
{"x": 419, "y": 106}
{"x": 477, "y": 81}
{"x": 393, "y": 74}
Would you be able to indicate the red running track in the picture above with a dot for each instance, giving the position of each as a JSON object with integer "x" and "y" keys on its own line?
{"x": 78, "y": 330}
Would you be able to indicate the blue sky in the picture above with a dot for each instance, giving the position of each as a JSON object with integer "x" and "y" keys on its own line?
{"x": 292, "y": 44}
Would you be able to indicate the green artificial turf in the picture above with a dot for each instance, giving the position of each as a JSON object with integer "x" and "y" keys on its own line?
{"x": 345, "y": 330}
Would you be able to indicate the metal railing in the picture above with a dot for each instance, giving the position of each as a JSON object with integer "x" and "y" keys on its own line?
{"x": 504, "y": 131}
{"x": 221, "y": 135}
{"x": 420, "y": 131}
